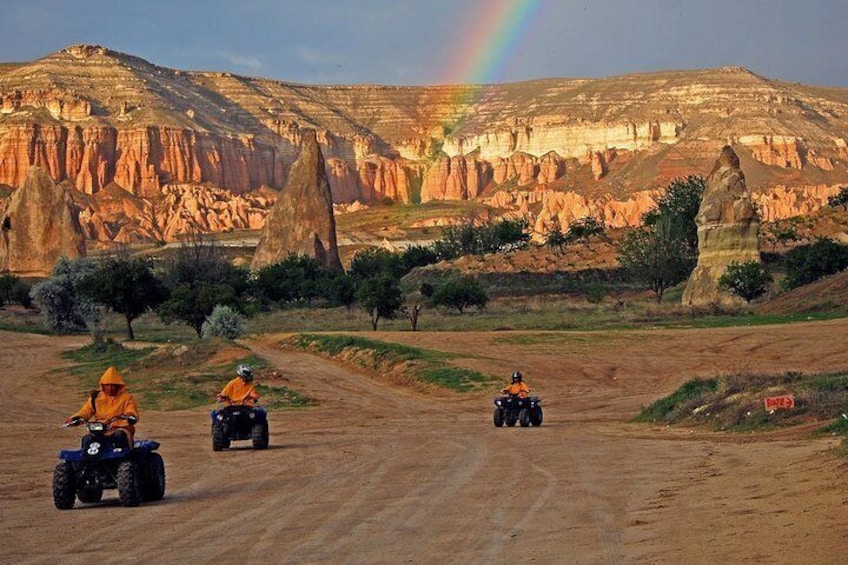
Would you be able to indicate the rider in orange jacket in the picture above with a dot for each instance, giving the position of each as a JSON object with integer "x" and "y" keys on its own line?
{"x": 110, "y": 401}
{"x": 518, "y": 387}
{"x": 240, "y": 390}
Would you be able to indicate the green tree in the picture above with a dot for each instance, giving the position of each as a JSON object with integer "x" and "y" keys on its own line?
{"x": 783, "y": 232}
{"x": 556, "y": 241}
{"x": 678, "y": 207}
{"x": 125, "y": 284}
{"x": 381, "y": 297}
{"x": 199, "y": 277}
{"x": 657, "y": 256}
{"x": 375, "y": 261}
{"x": 584, "y": 229}
{"x": 809, "y": 263}
{"x": 839, "y": 199}
{"x": 747, "y": 280}
{"x": 14, "y": 290}
{"x": 296, "y": 278}
{"x": 65, "y": 308}
{"x": 461, "y": 293}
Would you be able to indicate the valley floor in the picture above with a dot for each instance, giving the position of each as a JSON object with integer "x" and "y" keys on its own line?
{"x": 383, "y": 474}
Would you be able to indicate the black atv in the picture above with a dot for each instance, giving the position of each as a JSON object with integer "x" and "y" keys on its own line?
{"x": 510, "y": 409}
{"x": 239, "y": 422}
{"x": 104, "y": 463}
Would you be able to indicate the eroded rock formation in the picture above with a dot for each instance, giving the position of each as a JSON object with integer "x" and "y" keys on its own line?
{"x": 38, "y": 225}
{"x": 727, "y": 231}
{"x": 301, "y": 221}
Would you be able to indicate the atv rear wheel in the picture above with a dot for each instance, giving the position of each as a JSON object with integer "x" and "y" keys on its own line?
{"x": 219, "y": 438}
{"x": 259, "y": 435}
{"x": 90, "y": 494}
{"x": 524, "y": 417}
{"x": 536, "y": 417}
{"x": 498, "y": 418}
{"x": 63, "y": 486}
{"x": 154, "y": 485}
{"x": 129, "y": 483}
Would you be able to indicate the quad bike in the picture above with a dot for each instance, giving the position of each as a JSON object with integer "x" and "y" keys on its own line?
{"x": 510, "y": 409}
{"x": 239, "y": 422}
{"x": 137, "y": 472}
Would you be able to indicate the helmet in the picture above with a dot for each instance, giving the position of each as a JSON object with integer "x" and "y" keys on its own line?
{"x": 245, "y": 372}
{"x": 516, "y": 376}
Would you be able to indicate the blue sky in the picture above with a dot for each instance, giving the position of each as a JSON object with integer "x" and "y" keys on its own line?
{"x": 417, "y": 42}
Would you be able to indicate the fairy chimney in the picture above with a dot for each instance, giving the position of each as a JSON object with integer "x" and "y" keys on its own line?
{"x": 301, "y": 221}
{"x": 728, "y": 226}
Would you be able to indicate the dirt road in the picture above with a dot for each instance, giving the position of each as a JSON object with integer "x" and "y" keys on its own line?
{"x": 380, "y": 474}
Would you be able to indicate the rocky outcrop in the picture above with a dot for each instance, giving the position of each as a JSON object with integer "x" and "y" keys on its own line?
{"x": 301, "y": 221}
{"x": 455, "y": 178}
{"x": 38, "y": 225}
{"x": 727, "y": 231}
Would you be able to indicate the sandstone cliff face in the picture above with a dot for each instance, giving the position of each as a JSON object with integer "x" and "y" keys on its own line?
{"x": 38, "y": 225}
{"x": 301, "y": 221}
{"x": 728, "y": 226}
{"x": 117, "y": 119}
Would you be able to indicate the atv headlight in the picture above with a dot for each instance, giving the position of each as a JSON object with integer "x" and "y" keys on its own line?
{"x": 498, "y": 402}
{"x": 96, "y": 427}
{"x": 219, "y": 417}
{"x": 252, "y": 415}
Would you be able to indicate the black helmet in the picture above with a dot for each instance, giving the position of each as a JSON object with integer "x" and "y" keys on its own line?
{"x": 516, "y": 376}
{"x": 245, "y": 372}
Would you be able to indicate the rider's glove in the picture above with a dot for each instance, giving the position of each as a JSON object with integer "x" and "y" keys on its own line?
{"x": 131, "y": 420}
{"x": 73, "y": 421}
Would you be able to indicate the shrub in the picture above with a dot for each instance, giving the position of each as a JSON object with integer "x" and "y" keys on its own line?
{"x": 809, "y": 263}
{"x": 839, "y": 199}
{"x": 461, "y": 293}
{"x": 748, "y": 280}
{"x": 223, "y": 322}
{"x": 66, "y": 309}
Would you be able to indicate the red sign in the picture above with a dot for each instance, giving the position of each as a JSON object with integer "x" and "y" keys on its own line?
{"x": 777, "y": 402}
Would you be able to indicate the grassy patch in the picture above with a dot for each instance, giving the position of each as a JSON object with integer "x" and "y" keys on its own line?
{"x": 180, "y": 378}
{"x": 736, "y": 402}
{"x": 412, "y": 363}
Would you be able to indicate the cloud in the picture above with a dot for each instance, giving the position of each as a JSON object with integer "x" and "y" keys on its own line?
{"x": 317, "y": 58}
{"x": 250, "y": 62}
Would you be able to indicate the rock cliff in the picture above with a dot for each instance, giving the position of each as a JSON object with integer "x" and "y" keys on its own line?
{"x": 92, "y": 118}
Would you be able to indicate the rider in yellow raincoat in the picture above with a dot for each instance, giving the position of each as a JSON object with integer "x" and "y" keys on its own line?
{"x": 518, "y": 387}
{"x": 111, "y": 400}
{"x": 240, "y": 390}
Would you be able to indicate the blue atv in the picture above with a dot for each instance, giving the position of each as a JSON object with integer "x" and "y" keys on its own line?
{"x": 510, "y": 409}
{"x": 138, "y": 472}
{"x": 239, "y": 422}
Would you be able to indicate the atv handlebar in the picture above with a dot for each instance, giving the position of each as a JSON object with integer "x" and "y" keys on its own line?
{"x": 79, "y": 420}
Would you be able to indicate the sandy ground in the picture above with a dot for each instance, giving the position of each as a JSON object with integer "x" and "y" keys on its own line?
{"x": 381, "y": 474}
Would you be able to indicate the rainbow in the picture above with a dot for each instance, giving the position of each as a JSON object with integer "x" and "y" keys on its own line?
{"x": 486, "y": 52}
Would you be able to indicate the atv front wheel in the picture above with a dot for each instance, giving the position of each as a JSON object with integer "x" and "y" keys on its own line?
{"x": 524, "y": 417}
{"x": 219, "y": 438}
{"x": 63, "y": 486}
{"x": 498, "y": 418}
{"x": 536, "y": 417}
{"x": 259, "y": 435}
{"x": 154, "y": 486}
{"x": 129, "y": 487}
{"x": 511, "y": 418}
{"x": 90, "y": 494}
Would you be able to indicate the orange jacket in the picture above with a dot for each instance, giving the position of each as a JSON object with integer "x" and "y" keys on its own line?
{"x": 519, "y": 389}
{"x": 101, "y": 407}
{"x": 240, "y": 392}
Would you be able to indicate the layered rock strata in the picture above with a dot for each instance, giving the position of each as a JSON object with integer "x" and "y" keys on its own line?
{"x": 301, "y": 221}
{"x": 38, "y": 225}
{"x": 728, "y": 227}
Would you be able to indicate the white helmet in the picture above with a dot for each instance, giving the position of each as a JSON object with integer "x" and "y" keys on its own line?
{"x": 245, "y": 372}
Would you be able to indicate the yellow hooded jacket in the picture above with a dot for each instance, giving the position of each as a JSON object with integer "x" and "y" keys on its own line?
{"x": 101, "y": 407}
{"x": 240, "y": 392}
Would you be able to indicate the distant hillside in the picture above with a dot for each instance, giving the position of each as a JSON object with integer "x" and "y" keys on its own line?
{"x": 204, "y": 143}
